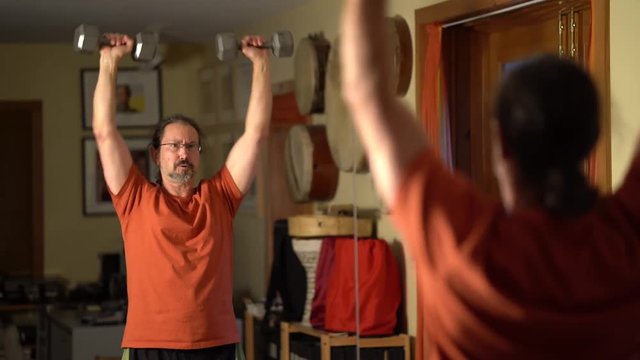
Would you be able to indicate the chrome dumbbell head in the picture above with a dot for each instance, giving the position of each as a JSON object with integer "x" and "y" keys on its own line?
{"x": 88, "y": 39}
{"x": 145, "y": 47}
{"x": 227, "y": 46}
{"x": 282, "y": 44}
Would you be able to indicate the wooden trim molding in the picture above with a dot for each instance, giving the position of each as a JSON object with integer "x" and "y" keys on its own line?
{"x": 600, "y": 70}
{"x": 35, "y": 108}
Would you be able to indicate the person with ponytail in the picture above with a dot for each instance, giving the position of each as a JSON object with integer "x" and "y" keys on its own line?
{"x": 551, "y": 270}
{"x": 547, "y": 116}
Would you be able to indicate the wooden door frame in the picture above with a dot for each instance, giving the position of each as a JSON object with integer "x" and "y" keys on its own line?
{"x": 35, "y": 108}
{"x": 453, "y": 10}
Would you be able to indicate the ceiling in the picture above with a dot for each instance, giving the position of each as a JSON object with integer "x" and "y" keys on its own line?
{"x": 175, "y": 20}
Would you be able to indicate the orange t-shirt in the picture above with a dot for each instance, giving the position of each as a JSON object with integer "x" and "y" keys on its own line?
{"x": 179, "y": 263}
{"x": 525, "y": 285}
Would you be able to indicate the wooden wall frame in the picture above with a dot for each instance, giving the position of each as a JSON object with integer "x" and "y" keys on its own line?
{"x": 34, "y": 109}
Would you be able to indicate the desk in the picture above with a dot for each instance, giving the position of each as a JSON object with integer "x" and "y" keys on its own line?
{"x": 67, "y": 338}
{"x": 18, "y": 318}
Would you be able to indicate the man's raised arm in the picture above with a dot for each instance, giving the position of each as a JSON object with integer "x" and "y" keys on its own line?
{"x": 389, "y": 132}
{"x": 243, "y": 158}
{"x": 114, "y": 153}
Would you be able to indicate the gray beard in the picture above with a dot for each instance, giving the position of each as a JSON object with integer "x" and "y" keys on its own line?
{"x": 181, "y": 178}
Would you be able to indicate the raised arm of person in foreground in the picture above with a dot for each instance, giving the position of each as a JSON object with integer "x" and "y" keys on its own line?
{"x": 389, "y": 132}
{"x": 243, "y": 158}
{"x": 114, "y": 153}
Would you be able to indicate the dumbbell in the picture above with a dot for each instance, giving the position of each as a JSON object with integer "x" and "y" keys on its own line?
{"x": 228, "y": 47}
{"x": 88, "y": 39}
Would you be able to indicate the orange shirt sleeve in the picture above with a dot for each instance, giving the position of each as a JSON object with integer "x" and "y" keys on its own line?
{"x": 228, "y": 189}
{"x": 436, "y": 209}
{"x": 130, "y": 195}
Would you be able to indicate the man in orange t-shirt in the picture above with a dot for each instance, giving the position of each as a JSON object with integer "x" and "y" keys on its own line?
{"x": 551, "y": 272}
{"x": 178, "y": 236}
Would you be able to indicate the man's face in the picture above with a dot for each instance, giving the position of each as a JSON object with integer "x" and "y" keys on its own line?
{"x": 178, "y": 157}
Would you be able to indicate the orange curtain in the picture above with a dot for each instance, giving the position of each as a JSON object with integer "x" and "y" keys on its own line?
{"x": 434, "y": 111}
{"x": 430, "y": 111}
{"x": 435, "y": 118}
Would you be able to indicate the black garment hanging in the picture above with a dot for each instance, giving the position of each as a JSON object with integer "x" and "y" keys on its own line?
{"x": 288, "y": 277}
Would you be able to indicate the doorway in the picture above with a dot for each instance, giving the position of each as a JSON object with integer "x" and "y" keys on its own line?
{"x": 477, "y": 51}
{"x": 21, "y": 195}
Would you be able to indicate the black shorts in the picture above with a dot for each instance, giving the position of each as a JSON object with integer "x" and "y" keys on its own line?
{"x": 224, "y": 352}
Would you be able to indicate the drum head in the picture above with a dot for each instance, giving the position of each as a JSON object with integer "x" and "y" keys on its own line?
{"x": 344, "y": 143}
{"x": 306, "y": 75}
{"x": 311, "y": 173}
{"x": 299, "y": 160}
{"x": 310, "y": 69}
{"x": 402, "y": 52}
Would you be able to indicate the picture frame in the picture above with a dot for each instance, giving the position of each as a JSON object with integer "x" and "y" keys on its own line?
{"x": 138, "y": 97}
{"x": 96, "y": 197}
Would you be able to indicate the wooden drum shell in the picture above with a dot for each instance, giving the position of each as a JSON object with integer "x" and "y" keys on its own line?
{"x": 311, "y": 173}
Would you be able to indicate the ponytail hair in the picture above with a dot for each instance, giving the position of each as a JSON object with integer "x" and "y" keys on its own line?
{"x": 547, "y": 110}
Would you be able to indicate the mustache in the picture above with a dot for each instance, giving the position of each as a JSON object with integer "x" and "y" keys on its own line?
{"x": 183, "y": 162}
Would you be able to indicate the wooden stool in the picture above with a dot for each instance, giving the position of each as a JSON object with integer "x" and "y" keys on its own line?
{"x": 329, "y": 340}
{"x": 249, "y": 349}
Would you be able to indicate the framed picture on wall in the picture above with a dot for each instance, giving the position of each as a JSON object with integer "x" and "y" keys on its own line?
{"x": 138, "y": 97}
{"x": 96, "y": 197}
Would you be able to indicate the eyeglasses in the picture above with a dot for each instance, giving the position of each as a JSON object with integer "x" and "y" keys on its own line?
{"x": 190, "y": 147}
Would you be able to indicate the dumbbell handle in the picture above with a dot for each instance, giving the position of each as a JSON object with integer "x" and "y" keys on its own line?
{"x": 228, "y": 46}
{"x": 103, "y": 41}
{"x": 266, "y": 45}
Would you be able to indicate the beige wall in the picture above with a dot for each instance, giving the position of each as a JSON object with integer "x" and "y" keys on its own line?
{"x": 50, "y": 73}
{"x": 625, "y": 85}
